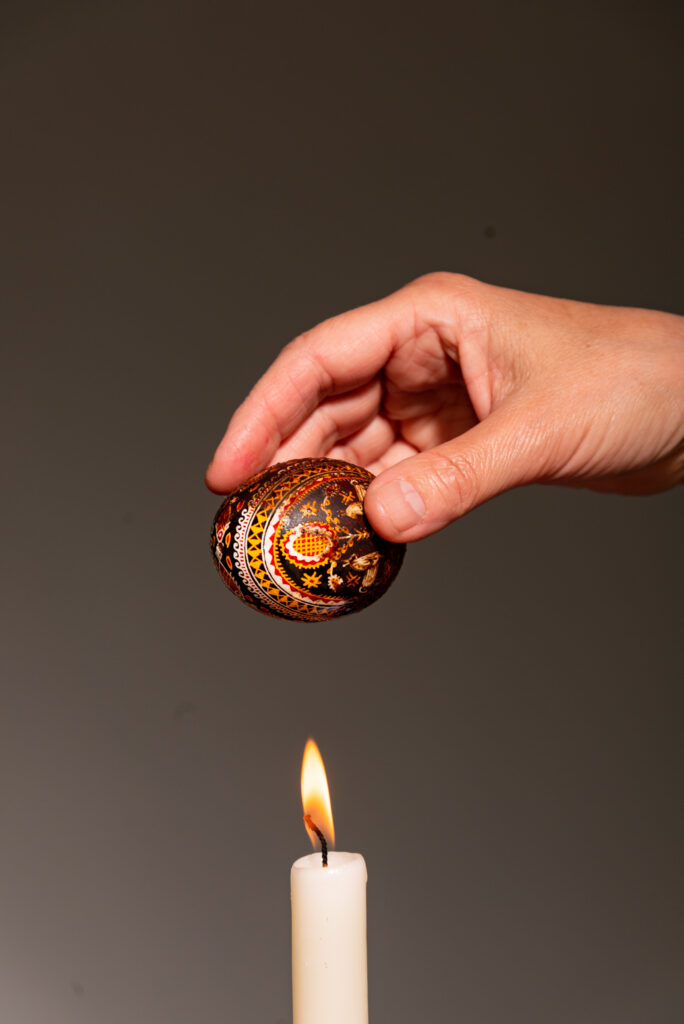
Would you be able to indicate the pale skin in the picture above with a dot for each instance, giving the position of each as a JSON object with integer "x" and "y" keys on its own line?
{"x": 452, "y": 391}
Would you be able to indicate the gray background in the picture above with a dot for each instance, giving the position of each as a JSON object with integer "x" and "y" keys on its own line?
{"x": 185, "y": 187}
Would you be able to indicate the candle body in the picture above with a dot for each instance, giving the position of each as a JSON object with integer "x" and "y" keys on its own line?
{"x": 329, "y": 960}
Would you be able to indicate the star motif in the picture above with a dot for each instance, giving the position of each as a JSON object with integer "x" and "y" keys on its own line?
{"x": 311, "y": 579}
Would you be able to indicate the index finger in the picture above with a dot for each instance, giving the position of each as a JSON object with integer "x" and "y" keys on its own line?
{"x": 339, "y": 355}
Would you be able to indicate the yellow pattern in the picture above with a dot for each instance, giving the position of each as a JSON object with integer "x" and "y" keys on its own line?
{"x": 255, "y": 559}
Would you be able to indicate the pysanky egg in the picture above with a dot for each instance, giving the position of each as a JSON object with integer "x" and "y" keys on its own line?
{"x": 294, "y": 542}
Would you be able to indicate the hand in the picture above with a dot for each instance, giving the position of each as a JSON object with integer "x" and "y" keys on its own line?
{"x": 453, "y": 391}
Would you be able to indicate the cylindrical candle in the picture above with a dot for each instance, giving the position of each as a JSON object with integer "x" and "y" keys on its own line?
{"x": 329, "y": 960}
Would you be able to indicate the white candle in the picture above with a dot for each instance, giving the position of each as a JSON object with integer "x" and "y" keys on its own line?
{"x": 329, "y": 962}
{"x": 328, "y": 890}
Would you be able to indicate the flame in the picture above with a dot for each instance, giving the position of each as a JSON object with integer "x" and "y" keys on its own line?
{"x": 315, "y": 793}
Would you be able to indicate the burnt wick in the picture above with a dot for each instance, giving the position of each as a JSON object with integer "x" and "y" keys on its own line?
{"x": 311, "y": 824}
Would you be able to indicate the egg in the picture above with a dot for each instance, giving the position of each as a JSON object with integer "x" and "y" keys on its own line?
{"x": 294, "y": 542}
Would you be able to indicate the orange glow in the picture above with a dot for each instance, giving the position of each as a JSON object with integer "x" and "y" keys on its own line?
{"x": 315, "y": 794}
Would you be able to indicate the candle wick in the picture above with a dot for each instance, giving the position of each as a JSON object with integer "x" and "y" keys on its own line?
{"x": 310, "y": 823}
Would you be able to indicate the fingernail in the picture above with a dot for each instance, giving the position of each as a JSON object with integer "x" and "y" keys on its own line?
{"x": 401, "y": 503}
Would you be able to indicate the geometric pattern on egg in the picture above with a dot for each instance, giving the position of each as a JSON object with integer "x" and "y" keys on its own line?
{"x": 293, "y": 542}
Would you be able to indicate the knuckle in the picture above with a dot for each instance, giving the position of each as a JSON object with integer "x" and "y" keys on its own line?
{"x": 446, "y": 282}
{"x": 464, "y": 301}
{"x": 329, "y": 429}
{"x": 350, "y": 453}
{"x": 455, "y": 479}
{"x": 304, "y": 359}
{"x": 434, "y": 281}
{"x": 301, "y": 341}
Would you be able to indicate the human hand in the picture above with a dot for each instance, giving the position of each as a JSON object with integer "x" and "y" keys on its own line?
{"x": 453, "y": 391}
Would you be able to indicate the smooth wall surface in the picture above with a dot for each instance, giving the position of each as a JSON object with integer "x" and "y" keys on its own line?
{"x": 185, "y": 187}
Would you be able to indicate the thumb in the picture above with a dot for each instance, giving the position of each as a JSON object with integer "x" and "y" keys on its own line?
{"x": 424, "y": 493}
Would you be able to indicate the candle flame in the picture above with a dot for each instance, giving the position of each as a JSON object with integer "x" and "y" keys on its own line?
{"x": 315, "y": 794}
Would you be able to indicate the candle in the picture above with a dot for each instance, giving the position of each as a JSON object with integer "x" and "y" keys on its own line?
{"x": 328, "y": 889}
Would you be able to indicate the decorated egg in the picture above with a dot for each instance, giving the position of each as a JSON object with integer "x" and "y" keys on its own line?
{"x": 294, "y": 542}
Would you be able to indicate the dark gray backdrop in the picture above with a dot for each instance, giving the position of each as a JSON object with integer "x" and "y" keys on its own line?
{"x": 185, "y": 187}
